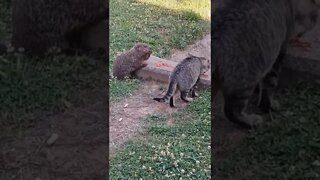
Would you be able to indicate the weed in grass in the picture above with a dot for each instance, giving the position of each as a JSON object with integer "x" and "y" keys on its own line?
{"x": 191, "y": 16}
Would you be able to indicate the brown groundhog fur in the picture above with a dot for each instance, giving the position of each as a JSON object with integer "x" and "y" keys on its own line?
{"x": 130, "y": 61}
{"x": 41, "y": 24}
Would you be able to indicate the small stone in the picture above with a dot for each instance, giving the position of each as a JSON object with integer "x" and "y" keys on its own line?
{"x": 20, "y": 49}
{"x": 52, "y": 139}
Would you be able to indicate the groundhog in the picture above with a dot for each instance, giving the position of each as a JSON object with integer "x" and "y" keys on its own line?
{"x": 184, "y": 78}
{"x": 127, "y": 63}
{"x": 41, "y": 24}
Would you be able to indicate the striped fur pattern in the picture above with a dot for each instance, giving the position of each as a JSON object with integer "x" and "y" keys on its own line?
{"x": 184, "y": 78}
{"x": 249, "y": 40}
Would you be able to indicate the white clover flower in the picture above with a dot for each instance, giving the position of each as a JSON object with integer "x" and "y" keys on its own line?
{"x": 175, "y": 163}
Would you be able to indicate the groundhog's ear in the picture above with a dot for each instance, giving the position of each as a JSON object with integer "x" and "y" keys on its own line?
{"x": 137, "y": 46}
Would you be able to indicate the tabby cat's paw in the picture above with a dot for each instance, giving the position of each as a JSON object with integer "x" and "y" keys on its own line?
{"x": 275, "y": 105}
{"x": 254, "y": 120}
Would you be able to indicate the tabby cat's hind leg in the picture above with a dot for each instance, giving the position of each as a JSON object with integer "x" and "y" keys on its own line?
{"x": 234, "y": 109}
{"x": 184, "y": 96}
{"x": 194, "y": 93}
{"x": 193, "y": 89}
{"x": 270, "y": 83}
{"x": 171, "y": 101}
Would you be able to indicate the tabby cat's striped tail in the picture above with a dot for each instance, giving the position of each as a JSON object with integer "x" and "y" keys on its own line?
{"x": 170, "y": 92}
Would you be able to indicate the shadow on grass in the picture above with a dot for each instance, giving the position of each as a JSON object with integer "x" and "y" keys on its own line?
{"x": 286, "y": 148}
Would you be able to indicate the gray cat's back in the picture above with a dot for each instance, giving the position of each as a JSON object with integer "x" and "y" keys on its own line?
{"x": 187, "y": 72}
{"x": 247, "y": 37}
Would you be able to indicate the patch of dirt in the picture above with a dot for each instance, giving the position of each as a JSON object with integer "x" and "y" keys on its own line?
{"x": 79, "y": 144}
{"x": 126, "y": 117}
{"x": 225, "y": 133}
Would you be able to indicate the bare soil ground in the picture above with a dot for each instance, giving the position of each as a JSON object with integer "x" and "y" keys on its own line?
{"x": 78, "y": 149}
{"x": 126, "y": 117}
{"x": 225, "y": 133}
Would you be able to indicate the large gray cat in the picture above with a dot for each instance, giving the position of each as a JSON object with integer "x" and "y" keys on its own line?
{"x": 249, "y": 39}
{"x": 184, "y": 78}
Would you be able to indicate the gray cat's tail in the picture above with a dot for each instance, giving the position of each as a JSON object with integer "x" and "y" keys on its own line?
{"x": 170, "y": 92}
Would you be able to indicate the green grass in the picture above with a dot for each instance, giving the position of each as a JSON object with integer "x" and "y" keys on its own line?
{"x": 174, "y": 151}
{"x": 31, "y": 88}
{"x": 122, "y": 88}
{"x": 199, "y": 7}
{"x": 289, "y": 148}
{"x": 49, "y": 84}
{"x": 162, "y": 28}
{"x": 5, "y": 20}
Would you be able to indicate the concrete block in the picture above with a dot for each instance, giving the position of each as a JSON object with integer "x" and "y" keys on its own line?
{"x": 306, "y": 59}
{"x": 159, "y": 70}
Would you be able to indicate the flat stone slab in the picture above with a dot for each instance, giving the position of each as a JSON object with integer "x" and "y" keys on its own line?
{"x": 159, "y": 70}
{"x": 306, "y": 59}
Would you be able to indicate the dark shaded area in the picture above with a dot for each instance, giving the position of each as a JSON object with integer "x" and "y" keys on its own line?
{"x": 286, "y": 147}
{"x": 54, "y": 97}
{"x": 39, "y": 25}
